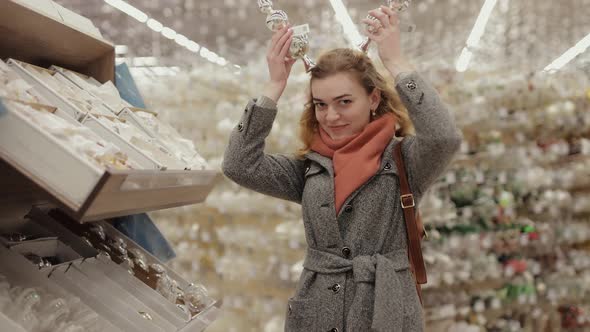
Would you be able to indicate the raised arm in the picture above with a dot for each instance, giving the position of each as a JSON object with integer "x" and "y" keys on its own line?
{"x": 245, "y": 161}
{"x": 437, "y": 139}
{"x": 246, "y": 164}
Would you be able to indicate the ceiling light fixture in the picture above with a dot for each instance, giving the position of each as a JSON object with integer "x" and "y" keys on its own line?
{"x": 475, "y": 35}
{"x": 181, "y": 40}
{"x": 128, "y": 9}
{"x": 192, "y": 46}
{"x": 167, "y": 32}
{"x": 570, "y": 54}
{"x": 350, "y": 31}
{"x": 154, "y": 25}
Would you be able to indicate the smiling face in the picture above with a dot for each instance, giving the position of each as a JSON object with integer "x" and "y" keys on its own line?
{"x": 342, "y": 106}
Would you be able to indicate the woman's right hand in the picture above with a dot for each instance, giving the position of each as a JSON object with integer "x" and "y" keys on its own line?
{"x": 279, "y": 62}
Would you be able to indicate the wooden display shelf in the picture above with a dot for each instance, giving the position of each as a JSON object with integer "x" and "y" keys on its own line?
{"x": 32, "y": 36}
{"x": 113, "y": 197}
{"x": 37, "y": 168}
{"x": 86, "y": 191}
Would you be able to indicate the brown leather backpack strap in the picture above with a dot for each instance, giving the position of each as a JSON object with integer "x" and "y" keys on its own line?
{"x": 408, "y": 206}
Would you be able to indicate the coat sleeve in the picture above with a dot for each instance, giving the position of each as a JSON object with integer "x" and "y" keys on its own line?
{"x": 437, "y": 139}
{"x": 246, "y": 163}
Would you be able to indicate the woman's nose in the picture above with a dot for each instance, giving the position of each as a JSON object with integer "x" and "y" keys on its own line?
{"x": 332, "y": 114}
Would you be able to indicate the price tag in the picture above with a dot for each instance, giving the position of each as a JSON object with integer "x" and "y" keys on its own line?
{"x": 300, "y": 30}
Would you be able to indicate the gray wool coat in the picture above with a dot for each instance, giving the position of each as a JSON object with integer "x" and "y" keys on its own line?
{"x": 356, "y": 273}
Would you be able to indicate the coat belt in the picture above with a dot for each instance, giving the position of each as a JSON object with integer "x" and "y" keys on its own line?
{"x": 379, "y": 269}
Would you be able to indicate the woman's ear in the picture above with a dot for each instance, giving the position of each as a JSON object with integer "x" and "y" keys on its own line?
{"x": 375, "y": 98}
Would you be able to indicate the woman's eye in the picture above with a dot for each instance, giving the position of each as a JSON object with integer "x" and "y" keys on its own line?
{"x": 345, "y": 101}
{"x": 320, "y": 105}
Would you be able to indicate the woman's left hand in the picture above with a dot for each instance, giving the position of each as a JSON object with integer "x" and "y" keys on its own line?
{"x": 386, "y": 34}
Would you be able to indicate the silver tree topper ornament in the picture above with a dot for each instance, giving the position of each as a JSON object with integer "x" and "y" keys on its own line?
{"x": 265, "y": 6}
{"x": 276, "y": 19}
{"x": 400, "y": 6}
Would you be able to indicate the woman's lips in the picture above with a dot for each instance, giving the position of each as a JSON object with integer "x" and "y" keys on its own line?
{"x": 338, "y": 128}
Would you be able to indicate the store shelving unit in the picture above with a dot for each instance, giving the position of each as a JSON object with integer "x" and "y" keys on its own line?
{"x": 34, "y": 169}
{"x": 85, "y": 192}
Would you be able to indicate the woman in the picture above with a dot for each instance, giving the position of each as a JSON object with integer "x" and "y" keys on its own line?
{"x": 356, "y": 273}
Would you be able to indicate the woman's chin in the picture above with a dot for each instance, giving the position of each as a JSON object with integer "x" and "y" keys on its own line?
{"x": 341, "y": 136}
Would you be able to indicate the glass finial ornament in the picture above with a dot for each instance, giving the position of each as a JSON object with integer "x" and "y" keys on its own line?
{"x": 196, "y": 297}
{"x": 300, "y": 46}
{"x": 277, "y": 19}
{"x": 265, "y": 6}
{"x": 400, "y": 6}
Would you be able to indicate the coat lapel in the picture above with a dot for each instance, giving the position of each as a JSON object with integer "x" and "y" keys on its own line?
{"x": 331, "y": 232}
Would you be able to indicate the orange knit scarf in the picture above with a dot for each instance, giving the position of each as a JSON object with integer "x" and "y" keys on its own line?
{"x": 357, "y": 158}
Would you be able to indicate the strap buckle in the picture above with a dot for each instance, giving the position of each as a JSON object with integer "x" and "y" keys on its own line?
{"x": 412, "y": 204}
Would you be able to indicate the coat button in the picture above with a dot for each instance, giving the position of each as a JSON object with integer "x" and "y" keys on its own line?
{"x": 387, "y": 166}
{"x": 240, "y": 126}
{"x": 334, "y": 330}
{"x": 348, "y": 208}
{"x": 346, "y": 252}
{"x": 411, "y": 85}
{"x": 336, "y": 288}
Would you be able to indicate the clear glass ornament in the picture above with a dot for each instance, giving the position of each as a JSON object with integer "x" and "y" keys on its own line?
{"x": 400, "y": 6}
{"x": 196, "y": 298}
{"x": 138, "y": 258}
{"x": 265, "y": 6}
{"x": 119, "y": 245}
{"x": 98, "y": 230}
{"x": 164, "y": 287}
{"x": 185, "y": 310}
{"x": 276, "y": 20}
{"x": 300, "y": 46}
